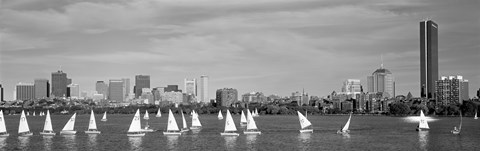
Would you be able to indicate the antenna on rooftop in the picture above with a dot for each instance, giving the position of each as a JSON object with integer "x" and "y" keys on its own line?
{"x": 381, "y": 57}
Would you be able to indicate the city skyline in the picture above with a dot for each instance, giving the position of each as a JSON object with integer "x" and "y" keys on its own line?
{"x": 275, "y": 47}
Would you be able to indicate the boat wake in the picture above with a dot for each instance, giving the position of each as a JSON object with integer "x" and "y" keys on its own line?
{"x": 416, "y": 119}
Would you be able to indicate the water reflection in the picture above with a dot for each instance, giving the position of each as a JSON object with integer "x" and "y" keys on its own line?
{"x": 423, "y": 139}
{"x": 172, "y": 141}
{"x": 3, "y": 142}
{"x": 135, "y": 143}
{"x": 251, "y": 139}
{"x": 346, "y": 136}
{"x": 92, "y": 141}
{"x": 230, "y": 142}
{"x": 47, "y": 141}
{"x": 70, "y": 142}
{"x": 24, "y": 141}
{"x": 304, "y": 139}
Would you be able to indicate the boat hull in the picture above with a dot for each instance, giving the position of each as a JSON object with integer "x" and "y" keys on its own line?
{"x": 195, "y": 128}
{"x": 220, "y": 118}
{"x": 252, "y": 132}
{"x": 184, "y": 130}
{"x": 103, "y": 120}
{"x": 68, "y": 132}
{"x": 343, "y": 132}
{"x": 92, "y": 132}
{"x": 4, "y": 135}
{"x": 455, "y": 132}
{"x": 25, "y": 134}
{"x": 136, "y": 134}
{"x": 148, "y": 130}
{"x": 48, "y": 133}
{"x": 229, "y": 134}
{"x": 243, "y": 124}
{"x": 306, "y": 131}
{"x": 422, "y": 129}
{"x": 172, "y": 133}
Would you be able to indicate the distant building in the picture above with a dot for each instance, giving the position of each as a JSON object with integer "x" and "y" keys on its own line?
{"x": 352, "y": 87}
{"x": 174, "y": 97}
{"x": 147, "y": 95}
{"x": 428, "y": 58}
{"x": 158, "y": 92}
{"x": 382, "y": 80}
{"x": 59, "y": 84}
{"x": 203, "y": 90}
{"x": 1, "y": 93}
{"x": 190, "y": 87}
{"x": 102, "y": 88}
{"x": 227, "y": 96}
{"x": 73, "y": 91}
{"x": 141, "y": 81}
{"x": 254, "y": 97}
{"x": 172, "y": 88}
{"x": 452, "y": 89}
{"x": 42, "y": 88}
{"x": 126, "y": 82}
{"x": 116, "y": 90}
{"x": 25, "y": 91}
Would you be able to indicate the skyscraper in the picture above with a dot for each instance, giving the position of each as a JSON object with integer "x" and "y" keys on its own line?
{"x": 102, "y": 88}
{"x": 452, "y": 89}
{"x": 382, "y": 80}
{"x": 190, "y": 87}
{"x": 25, "y": 91}
{"x": 1, "y": 93}
{"x": 203, "y": 92}
{"x": 59, "y": 83}
{"x": 126, "y": 82}
{"x": 428, "y": 58}
{"x": 74, "y": 90}
{"x": 141, "y": 81}
{"x": 116, "y": 90}
{"x": 42, "y": 88}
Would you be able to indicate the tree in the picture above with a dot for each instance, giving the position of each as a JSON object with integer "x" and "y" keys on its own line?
{"x": 399, "y": 108}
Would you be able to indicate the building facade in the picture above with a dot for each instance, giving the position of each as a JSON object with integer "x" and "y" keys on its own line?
{"x": 1, "y": 93}
{"x": 59, "y": 83}
{"x": 42, "y": 88}
{"x": 226, "y": 96}
{"x": 452, "y": 90}
{"x": 141, "y": 81}
{"x": 203, "y": 91}
{"x": 382, "y": 80}
{"x": 428, "y": 58}
{"x": 172, "y": 88}
{"x": 102, "y": 88}
{"x": 25, "y": 91}
{"x": 116, "y": 90}
{"x": 352, "y": 87}
{"x": 190, "y": 87}
{"x": 254, "y": 97}
{"x": 174, "y": 97}
{"x": 73, "y": 91}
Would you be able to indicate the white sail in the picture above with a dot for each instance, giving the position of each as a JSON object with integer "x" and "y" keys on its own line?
{"x": 250, "y": 122}
{"x": 461, "y": 121}
{"x": 423, "y": 121}
{"x": 243, "y": 119}
{"x": 220, "y": 116}
{"x": 159, "y": 114}
{"x": 195, "y": 120}
{"x": 92, "y": 125}
{"x": 304, "y": 122}
{"x": 23, "y": 126}
{"x": 70, "y": 124}
{"x": 33, "y": 113}
{"x": 146, "y": 117}
{"x": 3, "y": 128}
{"x": 135, "y": 126}
{"x": 475, "y": 115}
{"x": 256, "y": 112}
{"x": 229, "y": 123}
{"x": 28, "y": 113}
{"x": 347, "y": 124}
{"x": 172, "y": 123}
{"x": 104, "y": 118}
{"x": 48, "y": 123}
{"x": 184, "y": 121}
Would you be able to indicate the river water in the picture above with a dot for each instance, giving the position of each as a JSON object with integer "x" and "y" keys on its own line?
{"x": 278, "y": 133}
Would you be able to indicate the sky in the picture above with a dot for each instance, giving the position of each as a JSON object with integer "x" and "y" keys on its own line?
{"x": 271, "y": 46}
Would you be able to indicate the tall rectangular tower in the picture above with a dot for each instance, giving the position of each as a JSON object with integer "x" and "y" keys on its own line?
{"x": 116, "y": 90}
{"x": 203, "y": 94}
{"x": 428, "y": 58}
{"x": 190, "y": 86}
{"x": 42, "y": 88}
{"x": 141, "y": 81}
{"x": 59, "y": 84}
{"x": 25, "y": 91}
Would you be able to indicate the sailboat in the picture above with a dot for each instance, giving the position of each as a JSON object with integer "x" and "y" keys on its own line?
{"x": 159, "y": 114}
{"x": 475, "y": 115}
{"x": 195, "y": 121}
{"x": 147, "y": 127}
{"x": 455, "y": 130}
{"x": 3, "y": 128}
{"x": 185, "y": 127}
{"x": 243, "y": 119}
{"x": 251, "y": 126}
{"x": 172, "y": 127}
{"x": 68, "y": 128}
{"x": 230, "y": 129}
{"x": 104, "y": 118}
{"x": 345, "y": 130}
{"x": 23, "y": 129}
{"x": 28, "y": 113}
{"x": 47, "y": 128}
{"x": 135, "y": 127}
{"x": 33, "y": 113}
{"x": 422, "y": 123}
{"x": 304, "y": 123}
{"x": 220, "y": 116}
{"x": 92, "y": 126}
{"x": 255, "y": 113}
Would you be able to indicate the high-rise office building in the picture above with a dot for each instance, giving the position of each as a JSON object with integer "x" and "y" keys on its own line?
{"x": 382, "y": 80}
{"x": 59, "y": 83}
{"x": 141, "y": 81}
{"x": 102, "y": 88}
{"x": 1, "y": 93}
{"x": 352, "y": 86}
{"x": 203, "y": 91}
{"x": 126, "y": 82}
{"x": 190, "y": 87}
{"x": 25, "y": 91}
{"x": 227, "y": 96}
{"x": 172, "y": 88}
{"x": 73, "y": 91}
{"x": 116, "y": 90}
{"x": 452, "y": 89}
{"x": 42, "y": 88}
{"x": 428, "y": 58}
